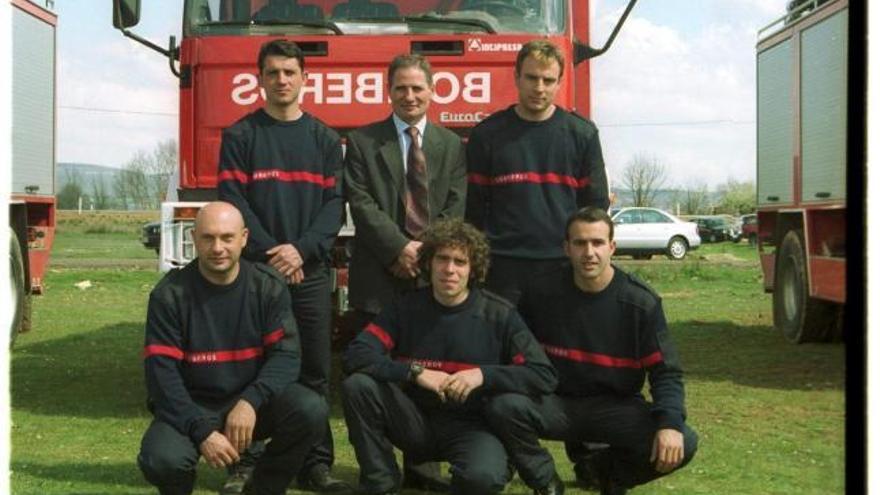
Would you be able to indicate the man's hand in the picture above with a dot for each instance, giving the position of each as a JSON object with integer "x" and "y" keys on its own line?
{"x": 407, "y": 264}
{"x": 286, "y": 259}
{"x": 218, "y": 451}
{"x": 459, "y": 386}
{"x": 297, "y": 277}
{"x": 668, "y": 450}
{"x": 240, "y": 425}
{"x": 432, "y": 380}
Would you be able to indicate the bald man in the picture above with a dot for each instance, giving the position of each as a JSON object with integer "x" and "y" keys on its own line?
{"x": 222, "y": 358}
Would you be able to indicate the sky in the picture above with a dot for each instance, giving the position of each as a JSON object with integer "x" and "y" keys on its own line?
{"x": 678, "y": 85}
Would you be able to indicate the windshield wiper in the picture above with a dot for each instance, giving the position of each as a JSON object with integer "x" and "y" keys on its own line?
{"x": 454, "y": 20}
{"x": 315, "y": 24}
{"x": 278, "y": 22}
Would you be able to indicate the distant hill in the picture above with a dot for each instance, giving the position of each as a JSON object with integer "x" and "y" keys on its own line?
{"x": 85, "y": 173}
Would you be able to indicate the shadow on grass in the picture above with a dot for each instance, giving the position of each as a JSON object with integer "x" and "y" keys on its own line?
{"x": 95, "y": 374}
{"x": 757, "y": 356}
{"x": 91, "y": 374}
{"x": 115, "y": 476}
{"x": 120, "y": 478}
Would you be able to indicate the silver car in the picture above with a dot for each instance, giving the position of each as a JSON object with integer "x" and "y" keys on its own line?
{"x": 642, "y": 232}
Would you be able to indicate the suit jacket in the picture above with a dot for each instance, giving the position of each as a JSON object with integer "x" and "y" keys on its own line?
{"x": 374, "y": 185}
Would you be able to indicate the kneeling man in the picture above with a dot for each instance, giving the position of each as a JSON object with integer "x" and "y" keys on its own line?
{"x": 222, "y": 358}
{"x": 605, "y": 332}
{"x": 421, "y": 371}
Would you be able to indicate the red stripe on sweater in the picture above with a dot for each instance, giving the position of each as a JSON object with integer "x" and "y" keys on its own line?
{"x": 236, "y": 175}
{"x": 529, "y": 177}
{"x": 280, "y": 175}
{"x": 602, "y": 359}
{"x": 163, "y": 350}
{"x": 209, "y": 357}
{"x": 436, "y": 364}
{"x": 380, "y": 334}
{"x": 273, "y": 336}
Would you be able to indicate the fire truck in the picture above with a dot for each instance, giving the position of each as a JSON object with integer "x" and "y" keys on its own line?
{"x": 32, "y": 202}
{"x": 471, "y": 44}
{"x": 802, "y": 78}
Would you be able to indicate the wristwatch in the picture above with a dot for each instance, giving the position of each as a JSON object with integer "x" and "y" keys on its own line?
{"x": 415, "y": 369}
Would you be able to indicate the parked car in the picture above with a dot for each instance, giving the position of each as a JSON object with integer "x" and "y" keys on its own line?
{"x": 750, "y": 228}
{"x": 643, "y": 232}
{"x": 712, "y": 228}
{"x": 150, "y": 235}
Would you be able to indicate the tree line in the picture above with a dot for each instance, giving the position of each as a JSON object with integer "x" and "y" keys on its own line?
{"x": 645, "y": 176}
{"x": 141, "y": 184}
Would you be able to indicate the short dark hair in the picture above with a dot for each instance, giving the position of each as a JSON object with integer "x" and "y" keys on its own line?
{"x": 407, "y": 60}
{"x": 456, "y": 233}
{"x": 281, "y": 47}
{"x": 590, "y": 214}
{"x": 544, "y": 51}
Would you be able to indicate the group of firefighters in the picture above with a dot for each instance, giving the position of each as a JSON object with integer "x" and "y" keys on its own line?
{"x": 492, "y": 316}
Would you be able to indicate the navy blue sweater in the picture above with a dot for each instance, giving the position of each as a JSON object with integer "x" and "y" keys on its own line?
{"x": 484, "y": 331}
{"x": 208, "y": 345}
{"x": 607, "y": 342}
{"x": 284, "y": 177}
{"x": 525, "y": 178}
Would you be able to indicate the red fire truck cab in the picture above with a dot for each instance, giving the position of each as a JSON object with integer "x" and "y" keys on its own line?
{"x": 471, "y": 44}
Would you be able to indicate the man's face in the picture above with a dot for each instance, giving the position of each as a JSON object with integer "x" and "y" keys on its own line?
{"x": 450, "y": 272}
{"x": 537, "y": 84}
{"x": 282, "y": 79}
{"x": 411, "y": 94}
{"x": 589, "y": 249}
{"x": 219, "y": 238}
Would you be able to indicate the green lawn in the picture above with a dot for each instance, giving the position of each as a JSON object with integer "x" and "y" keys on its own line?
{"x": 770, "y": 414}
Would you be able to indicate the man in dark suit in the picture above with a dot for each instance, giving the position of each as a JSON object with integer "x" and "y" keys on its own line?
{"x": 401, "y": 174}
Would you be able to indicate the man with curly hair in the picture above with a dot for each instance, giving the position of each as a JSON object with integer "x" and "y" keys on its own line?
{"x": 421, "y": 371}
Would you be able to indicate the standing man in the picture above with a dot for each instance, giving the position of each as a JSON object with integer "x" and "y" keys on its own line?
{"x": 221, "y": 359}
{"x": 397, "y": 185}
{"x": 280, "y": 166}
{"x": 401, "y": 175}
{"x": 605, "y": 332}
{"x": 530, "y": 167}
{"x": 422, "y": 370}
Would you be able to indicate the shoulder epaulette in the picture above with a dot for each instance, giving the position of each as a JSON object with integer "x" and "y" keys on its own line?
{"x": 638, "y": 292}
{"x": 496, "y": 299}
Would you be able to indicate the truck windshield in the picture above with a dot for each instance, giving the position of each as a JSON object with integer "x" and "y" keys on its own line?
{"x": 230, "y": 17}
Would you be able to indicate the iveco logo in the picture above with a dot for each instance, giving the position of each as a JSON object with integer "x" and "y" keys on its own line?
{"x": 460, "y": 118}
{"x": 477, "y": 45}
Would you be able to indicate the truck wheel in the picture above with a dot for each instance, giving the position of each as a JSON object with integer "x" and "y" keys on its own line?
{"x": 799, "y": 317}
{"x": 753, "y": 240}
{"x": 17, "y": 285}
{"x": 677, "y": 248}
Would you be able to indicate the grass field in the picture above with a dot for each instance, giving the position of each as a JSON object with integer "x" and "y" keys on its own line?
{"x": 770, "y": 414}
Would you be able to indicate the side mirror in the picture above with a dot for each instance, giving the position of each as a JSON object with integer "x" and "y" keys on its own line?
{"x": 126, "y": 13}
{"x": 585, "y": 52}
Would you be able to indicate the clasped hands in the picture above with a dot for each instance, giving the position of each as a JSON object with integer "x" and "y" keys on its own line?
{"x": 222, "y": 449}
{"x": 455, "y": 387}
{"x": 286, "y": 259}
{"x": 407, "y": 263}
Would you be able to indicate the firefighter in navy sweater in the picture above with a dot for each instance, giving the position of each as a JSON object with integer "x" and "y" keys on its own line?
{"x": 281, "y": 167}
{"x": 422, "y": 370}
{"x": 529, "y": 167}
{"x": 221, "y": 358}
{"x": 605, "y": 332}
